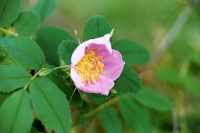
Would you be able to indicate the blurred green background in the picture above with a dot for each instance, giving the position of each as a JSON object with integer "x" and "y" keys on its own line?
{"x": 175, "y": 73}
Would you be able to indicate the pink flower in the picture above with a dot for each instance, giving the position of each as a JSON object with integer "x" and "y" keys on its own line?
{"x": 95, "y": 65}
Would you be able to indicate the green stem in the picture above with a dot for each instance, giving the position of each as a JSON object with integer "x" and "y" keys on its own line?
{"x": 72, "y": 95}
{"x": 32, "y": 78}
{"x": 65, "y": 66}
{"x": 99, "y": 108}
{"x": 5, "y": 31}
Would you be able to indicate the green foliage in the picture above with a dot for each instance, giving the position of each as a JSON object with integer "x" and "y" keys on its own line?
{"x": 21, "y": 50}
{"x": 49, "y": 39}
{"x": 27, "y": 23}
{"x": 10, "y": 10}
{"x": 44, "y": 8}
{"x": 135, "y": 116}
{"x": 12, "y": 77}
{"x": 96, "y": 26}
{"x": 133, "y": 53}
{"x": 110, "y": 121}
{"x": 128, "y": 82}
{"x": 65, "y": 50}
{"x": 169, "y": 75}
{"x": 50, "y": 104}
{"x": 16, "y": 115}
{"x": 153, "y": 100}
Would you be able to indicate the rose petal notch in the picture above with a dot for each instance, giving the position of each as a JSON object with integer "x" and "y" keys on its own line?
{"x": 95, "y": 65}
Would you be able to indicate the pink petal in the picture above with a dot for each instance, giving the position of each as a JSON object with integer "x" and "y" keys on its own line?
{"x": 80, "y": 50}
{"x": 102, "y": 86}
{"x": 113, "y": 65}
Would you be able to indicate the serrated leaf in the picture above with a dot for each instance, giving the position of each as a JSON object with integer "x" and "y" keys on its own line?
{"x": 44, "y": 8}
{"x": 132, "y": 52}
{"x": 65, "y": 50}
{"x": 128, "y": 82}
{"x": 110, "y": 121}
{"x": 16, "y": 114}
{"x": 96, "y": 26}
{"x": 49, "y": 39}
{"x": 51, "y": 105}
{"x": 12, "y": 77}
{"x": 25, "y": 52}
{"x": 9, "y": 11}
{"x": 135, "y": 116}
{"x": 154, "y": 100}
{"x": 27, "y": 23}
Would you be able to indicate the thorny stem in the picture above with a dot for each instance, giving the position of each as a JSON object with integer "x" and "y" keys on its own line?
{"x": 99, "y": 108}
{"x": 5, "y": 31}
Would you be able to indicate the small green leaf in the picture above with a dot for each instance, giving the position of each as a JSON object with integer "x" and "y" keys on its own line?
{"x": 135, "y": 116}
{"x": 12, "y": 77}
{"x": 49, "y": 39}
{"x": 128, "y": 82}
{"x": 192, "y": 84}
{"x": 154, "y": 100}
{"x": 110, "y": 121}
{"x": 98, "y": 98}
{"x": 44, "y": 8}
{"x": 96, "y": 26}
{"x": 45, "y": 72}
{"x": 9, "y": 11}
{"x": 51, "y": 105}
{"x": 65, "y": 50}
{"x": 169, "y": 75}
{"x": 132, "y": 52}
{"x": 27, "y": 23}
{"x": 16, "y": 114}
{"x": 25, "y": 51}
{"x": 1, "y": 34}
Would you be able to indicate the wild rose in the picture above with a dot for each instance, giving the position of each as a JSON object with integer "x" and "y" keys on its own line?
{"x": 95, "y": 65}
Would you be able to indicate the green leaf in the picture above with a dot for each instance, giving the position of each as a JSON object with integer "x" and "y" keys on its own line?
{"x": 65, "y": 50}
{"x": 132, "y": 52}
{"x": 49, "y": 39}
{"x": 12, "y": 77}
{"x": 27, "y": 23}
{"x": 110, "y": 121}
{"x": 135, "y": 116}
{"x": 195, "y": 57}
{"x": 1, "y": 34}
{"x": 44, "y": 8}
{"x": 16, "y": 114}
{"x": 128, "y": 82}
{"x": 169, "y": 75}
{"x": 192, "y": 84}
{"x": 51, "y": 105}
{"x": 98, "y": 98}
{"x": 25, "y": 51}
{"x": 96, "y": 26}
{"x": 154, "y": 100}
{"x": 9, "y": 11}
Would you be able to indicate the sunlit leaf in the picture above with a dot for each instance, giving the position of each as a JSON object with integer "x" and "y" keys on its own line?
{"x": 25, "y": 52}
{"x": 96, "y": 26}
{"x": 132, "y": 52}
{"x": 16, "y": 115}
{"x": 27, "y": 23}
{"x": 128, "y": 82}
{"x": 9, "y": 11}
{"x": 110, "y": 121}
{"x": 49, "y": 39}
{"x": 154, "y": 100}
{"x": 51, "y": 105}
{"x": 12, "y": 77}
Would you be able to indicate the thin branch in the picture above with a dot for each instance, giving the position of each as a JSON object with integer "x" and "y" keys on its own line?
{"x": 172, "y": 34}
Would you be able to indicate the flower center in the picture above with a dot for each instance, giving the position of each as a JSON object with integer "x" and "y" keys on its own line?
{"x": 90, "y": 67}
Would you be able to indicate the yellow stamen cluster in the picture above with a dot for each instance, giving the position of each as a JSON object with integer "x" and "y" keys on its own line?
{"x": 90, "y": 67}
